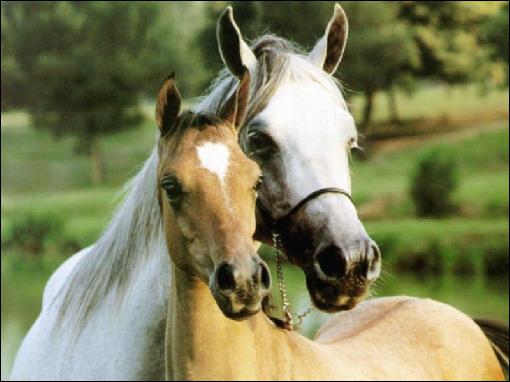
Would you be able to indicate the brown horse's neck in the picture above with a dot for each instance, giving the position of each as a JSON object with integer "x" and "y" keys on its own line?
{"x": 202, "y": 343}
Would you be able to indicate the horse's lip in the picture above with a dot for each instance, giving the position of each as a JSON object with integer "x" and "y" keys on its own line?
{"x": 328, "y": 307}
{"x": 323, "y": 303}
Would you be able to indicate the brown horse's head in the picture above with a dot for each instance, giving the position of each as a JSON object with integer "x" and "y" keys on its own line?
{"x": 207, "y": 189}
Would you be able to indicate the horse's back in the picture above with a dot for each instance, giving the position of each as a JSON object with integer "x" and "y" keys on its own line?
{"x": 430, "y": 337}
{"x": 113, "y": 344}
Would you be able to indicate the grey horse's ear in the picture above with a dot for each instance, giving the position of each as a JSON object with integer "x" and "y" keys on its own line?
{"x": 328, "y": 51}
{"x": 235, "y": 53}
{"x": 234, "y": 109}
{"x": 168, "y": 105}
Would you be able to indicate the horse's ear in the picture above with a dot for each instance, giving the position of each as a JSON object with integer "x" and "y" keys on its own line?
{"x": 235, "y": 53}
{"x": 168, "y": 105}
{"x": 328, "y": 51}
{"x": 234, "y": 109}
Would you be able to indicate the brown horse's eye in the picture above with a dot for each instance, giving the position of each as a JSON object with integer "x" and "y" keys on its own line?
{"x": 172, "y": 188}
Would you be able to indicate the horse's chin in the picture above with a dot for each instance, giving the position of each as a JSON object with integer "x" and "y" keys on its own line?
{"x": 238, "y": 314}
{"x": 336, "y": 297}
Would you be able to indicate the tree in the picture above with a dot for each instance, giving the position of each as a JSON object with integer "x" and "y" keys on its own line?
{"x": 169, "y": 47}
{"x": 82, "y": 66}
{"x": 449, "y": 35}
{"x": 495, "y": 35}
{"x": 381, "y": 53}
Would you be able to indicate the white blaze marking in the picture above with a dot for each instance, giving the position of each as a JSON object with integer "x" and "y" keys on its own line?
{"x": 214, "y": 157}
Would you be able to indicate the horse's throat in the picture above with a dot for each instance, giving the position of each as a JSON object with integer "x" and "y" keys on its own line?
{"x": 201, "y": 341}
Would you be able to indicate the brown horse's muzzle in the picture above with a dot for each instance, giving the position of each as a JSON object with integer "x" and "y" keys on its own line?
{"x": 240, "y": 287}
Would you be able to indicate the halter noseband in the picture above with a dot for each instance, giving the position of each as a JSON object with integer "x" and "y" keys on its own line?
{"x": 276, "y": 224}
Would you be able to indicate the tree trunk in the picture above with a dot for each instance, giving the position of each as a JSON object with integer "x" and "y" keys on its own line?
{"x": 392, "y": 105}
{"x": 367, "y": 110}
{"x": 96, "y": 163}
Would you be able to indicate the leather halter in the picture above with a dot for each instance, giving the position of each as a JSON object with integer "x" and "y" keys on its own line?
{"x": 276, "y": 224}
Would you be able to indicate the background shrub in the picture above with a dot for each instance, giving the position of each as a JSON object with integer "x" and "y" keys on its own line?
{"x": 32, "y": 232}
{"x": 434, "y": 181}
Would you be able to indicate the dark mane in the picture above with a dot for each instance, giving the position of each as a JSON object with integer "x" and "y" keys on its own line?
{"x": 190, "y": 120}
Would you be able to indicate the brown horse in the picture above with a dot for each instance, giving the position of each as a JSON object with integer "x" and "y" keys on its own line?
{"x": 215, "y": 329}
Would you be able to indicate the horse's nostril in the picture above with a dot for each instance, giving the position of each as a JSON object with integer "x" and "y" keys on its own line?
{"x": 362, "y": 268}
{"x": 376, "y": 253}
{"x": 264, "y": 276}
{"x": 331, "y": 262}
{"x": 375, "y": 263}
{"x": 225, "y": 277}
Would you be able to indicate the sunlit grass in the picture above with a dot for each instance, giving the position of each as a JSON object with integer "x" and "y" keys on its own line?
{"x": 435, "y": 100}
{"x": 483, "y": 174}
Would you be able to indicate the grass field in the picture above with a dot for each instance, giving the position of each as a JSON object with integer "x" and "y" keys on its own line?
{"x": 436, "y": 100}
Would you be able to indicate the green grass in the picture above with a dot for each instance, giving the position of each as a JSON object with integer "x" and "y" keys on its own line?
{"x": 483, "y": 168}
{"x": 33, "y": 161}
{"x": 433, "y": 101}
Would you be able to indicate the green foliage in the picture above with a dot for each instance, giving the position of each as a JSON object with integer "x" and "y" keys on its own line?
{"x": 80, "y": 64}
{"x": 169, "y": 48}
{"x": 31, "y": 231}
{"x": 205, "y": 40}
{"x": 449, "y": 35}
{"x": 80, "y": 68}
{"x": 433, "y": 183}
{"x": 445, "y": 247}
{"x": 65, "y": 43}
{"x": 495, "y": 34}
{"x": 377, "y": 35}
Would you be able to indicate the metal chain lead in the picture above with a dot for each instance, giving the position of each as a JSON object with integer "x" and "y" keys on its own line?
{"x": 287, "y": 314}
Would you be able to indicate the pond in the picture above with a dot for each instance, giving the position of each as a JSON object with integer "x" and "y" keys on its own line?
{"x": 21, "y": 298}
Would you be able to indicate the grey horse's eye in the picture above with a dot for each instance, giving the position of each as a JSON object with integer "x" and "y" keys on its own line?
{"x": 260, "y": 143}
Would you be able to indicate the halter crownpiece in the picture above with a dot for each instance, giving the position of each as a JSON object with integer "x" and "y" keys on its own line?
{"x": 274, "y": 225}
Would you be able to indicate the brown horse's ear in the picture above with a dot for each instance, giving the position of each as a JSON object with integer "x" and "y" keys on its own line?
{"x": 329, "y": 50}
{"x": 235, "y": 53}
{"x": 234, "y": 109}
{"x": 168, "y": 105}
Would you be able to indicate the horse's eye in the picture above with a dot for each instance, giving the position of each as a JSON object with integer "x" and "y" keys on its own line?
{"x": 259, "y": 143}
{"x": 258, "y": 183}
{"x": 172, "y": 188}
